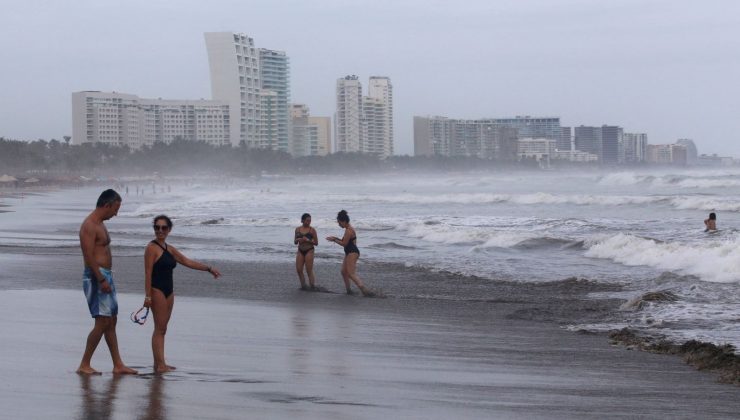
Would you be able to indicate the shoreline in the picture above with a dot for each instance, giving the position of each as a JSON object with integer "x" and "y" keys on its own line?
{"x": 445, "y": 296}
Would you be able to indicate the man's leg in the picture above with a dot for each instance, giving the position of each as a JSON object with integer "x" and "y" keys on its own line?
{"x": 100, "y": 327}
{"x": 112, "y": 340}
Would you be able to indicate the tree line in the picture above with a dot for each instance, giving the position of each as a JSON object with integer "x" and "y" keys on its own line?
{"x": 181, "y": 157}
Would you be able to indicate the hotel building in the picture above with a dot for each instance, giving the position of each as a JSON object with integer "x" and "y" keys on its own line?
{"x": 119, "y": 119}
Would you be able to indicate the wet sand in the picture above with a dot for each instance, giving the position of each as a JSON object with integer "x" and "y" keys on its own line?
{"x": 253, "y": 345}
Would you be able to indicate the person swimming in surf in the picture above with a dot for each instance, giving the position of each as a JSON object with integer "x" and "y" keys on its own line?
{"x": 307, "y": 239}
{"x": 711, "y": 223}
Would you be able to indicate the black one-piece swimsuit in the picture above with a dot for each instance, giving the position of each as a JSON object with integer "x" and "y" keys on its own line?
{"x": 162, "y": 271}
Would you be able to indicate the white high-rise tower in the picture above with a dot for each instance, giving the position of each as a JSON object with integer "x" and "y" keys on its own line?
{"x": 348, "y": 126}
{"x": 235, "y": 79}
{"x": 380, "y": 88}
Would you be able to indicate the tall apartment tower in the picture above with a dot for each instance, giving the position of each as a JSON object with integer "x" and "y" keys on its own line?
{"x": 348, "y": 119}
{"x": 565, "y": 139}
{"x": 635, "y": 147}
{"x": 274, "y": 69}
{"x": 611, "y": 141}
{"x": 380, "y": 88}
{"x": 588, "y": 139}
{"x": 235, "y": 79}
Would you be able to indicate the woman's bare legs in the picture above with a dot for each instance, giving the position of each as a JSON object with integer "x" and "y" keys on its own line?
{"x": 309, "y": 269}
{"x": 300, "y": 261}
{"x": 350, "y": 265}
{"x": 162, "y": 311}
{"x": 345, "y": 276}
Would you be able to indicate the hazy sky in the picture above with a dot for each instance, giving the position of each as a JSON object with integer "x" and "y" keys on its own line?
{"x": 668, "y": 68}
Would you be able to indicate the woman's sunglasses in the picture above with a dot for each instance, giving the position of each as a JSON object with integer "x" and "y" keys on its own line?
{"x": 162, "y": 228}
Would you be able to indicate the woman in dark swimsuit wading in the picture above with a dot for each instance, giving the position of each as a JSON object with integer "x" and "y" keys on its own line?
{"x": 351, "y": 255}
{"x": 306, "y": 238}
{"x": 159, "y": 261}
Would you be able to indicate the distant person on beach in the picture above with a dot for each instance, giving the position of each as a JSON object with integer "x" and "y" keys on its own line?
{"x": 351, "y": 254}
{"x": 307, "y": 239}
{"x": 711, "y": 223}
{"x": 97, "y": 283}
{"x": 160, "y": 259}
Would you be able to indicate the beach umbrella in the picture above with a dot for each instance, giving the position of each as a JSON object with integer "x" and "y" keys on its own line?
{"x": 7, "y": 178}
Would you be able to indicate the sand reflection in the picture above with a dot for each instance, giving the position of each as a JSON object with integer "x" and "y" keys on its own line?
{"x": 98, "y": 396}
{"x": 155, "y": 407}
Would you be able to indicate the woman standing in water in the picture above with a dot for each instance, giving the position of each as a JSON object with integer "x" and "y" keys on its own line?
{"x": 306, "y": 238}
{"x": 159, "y": 261}
{"x": 351, "y": 254}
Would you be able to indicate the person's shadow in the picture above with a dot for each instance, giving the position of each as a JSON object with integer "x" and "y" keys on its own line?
{"x": 98, "y": 402}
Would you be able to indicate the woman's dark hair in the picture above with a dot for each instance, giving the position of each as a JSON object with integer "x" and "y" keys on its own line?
{"x": 342, "y": 216}
{"x": 712, "y": 216}
{"x": 163, "y": 217}
{"x": 304, "y": 217}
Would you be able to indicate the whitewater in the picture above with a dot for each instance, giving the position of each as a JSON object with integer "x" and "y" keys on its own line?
{"x": 640, "y": 230}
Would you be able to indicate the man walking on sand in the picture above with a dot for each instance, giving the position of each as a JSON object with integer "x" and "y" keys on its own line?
{"x": 97, "y": 283}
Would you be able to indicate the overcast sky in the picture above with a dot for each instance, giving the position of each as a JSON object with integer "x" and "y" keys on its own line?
{"x": 667, "y": 68}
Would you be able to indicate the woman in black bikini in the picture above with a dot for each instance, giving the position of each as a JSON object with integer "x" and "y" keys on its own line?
{"x": 306, "y": 238}
{"x": 159, "y": 261}
{"x": 351, "y": 255}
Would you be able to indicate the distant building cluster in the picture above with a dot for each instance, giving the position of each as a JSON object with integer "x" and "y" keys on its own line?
{"x": 543, "y": 139}
{"x": 364, "y": 123}
{"x": 250, "y": 105}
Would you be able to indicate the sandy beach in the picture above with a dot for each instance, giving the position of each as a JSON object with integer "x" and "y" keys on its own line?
{"x": 252, "y": 345}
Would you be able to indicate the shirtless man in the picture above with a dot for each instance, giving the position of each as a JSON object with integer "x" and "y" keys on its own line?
{"x": 97, "y": 283}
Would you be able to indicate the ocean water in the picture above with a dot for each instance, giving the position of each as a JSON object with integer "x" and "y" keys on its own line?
{"x": 641, "y": 230}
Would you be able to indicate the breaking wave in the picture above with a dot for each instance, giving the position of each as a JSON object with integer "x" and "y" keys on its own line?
{"x": 714, "y": 261}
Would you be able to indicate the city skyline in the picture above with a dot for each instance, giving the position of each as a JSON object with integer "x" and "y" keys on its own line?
{"x": 663, "y": 71}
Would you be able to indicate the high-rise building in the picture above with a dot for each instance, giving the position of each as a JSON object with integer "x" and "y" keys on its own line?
{"x": 299, "y": 114}
{"x": 541, "y": 150}
{"x": 235, "y": 79}
{"x": 322, "y": 127}
{"x": 311, "y": 135}
{"x": 373, "y": 124}
{"x": 268, "y": 124}
{"x": 364, "y": 123}
{"x": 588, "y": 139}
{"x": 611, "y": 139}
{"x": 348, "y": 119}
{"x": 380, "y": 88}
{"x": 533, "y": 127}
{"x": 635, "y": 147}
{"x": 275, "y": 77}
{"x": 565, "y": 140}
{"x": 120, "y": 119}
{"x": 432, "y": 136}
{"x": 692, "y": 155}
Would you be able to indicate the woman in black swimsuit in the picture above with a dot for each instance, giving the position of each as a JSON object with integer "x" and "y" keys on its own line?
{"x": 306, "y": 238}
{"x": 351, "y": 254}
{"x": 159, "y": 261}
